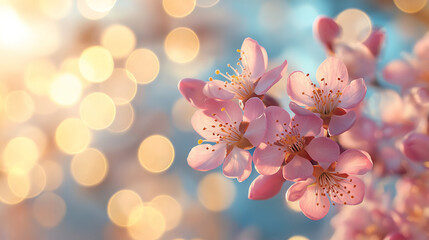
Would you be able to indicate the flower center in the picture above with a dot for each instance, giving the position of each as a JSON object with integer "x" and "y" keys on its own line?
{"x": 239, "y": 82}
{"x": 336, "y": 185}
{"x": 290, "y": 138}
{"x": 325, "y": 99}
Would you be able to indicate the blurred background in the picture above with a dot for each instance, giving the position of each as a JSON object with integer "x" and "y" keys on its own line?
{"x": 95, "y": 134}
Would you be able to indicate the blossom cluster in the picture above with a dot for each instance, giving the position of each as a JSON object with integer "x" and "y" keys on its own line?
{"x": 329, "y": 136}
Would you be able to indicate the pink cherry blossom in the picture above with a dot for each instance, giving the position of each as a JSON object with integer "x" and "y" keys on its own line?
{"x": 266, "y": 186}
{"x": 285, "y": 142}
{"x": 233, "y": 131}
{"x": 249, "y": 79}
{"x": 416, "y": 147}
{"x": 331, "y": 99}
{"x": 192, "y": 90}
{"x": 336, "y": 181}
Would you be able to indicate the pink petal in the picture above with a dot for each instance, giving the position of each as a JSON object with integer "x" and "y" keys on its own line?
{"x": 354, "y": 161}
{"x": 313, "y": 204}
{"x": 416, "y": 147}
{"x": 400, "y": 72}
{"x": 421, "y": 49}
{"x": 216, "y": 89}
{"x": 299, "y": 88}
{"x": 255, "y": 56}
{"x": 297, "y": 190}
{"x": 202, "y": 124}
{"x": 255, "y": 132}
{"x": 421, "y": 95}
{"x": 351, "y": 191}
{"x": 206, "y": 157}
{"x": 238, "y": 164}
{"x": 253, "y": 109}
{"x": 353, "y": 94}
{"x": 375, "y": 41}
{"x": 265, "y": 187}
{"x": 277, "y": 117}
{"x": 300, "y": 110}
{"x": 323, "y": 149}
{"x": 270, "y": 78}
{"x": 330, "y": 70}
{"x": 192, "y": 90}
{"x": 340, "y": 124}
{"x": 325, "y": 29}
{"x": 308, "y": 125}
{"x": 231, "y": 111}
{"x": 298, "y": 169}
{"x": 268, "y": 159}
{"x": 358, "y": 59}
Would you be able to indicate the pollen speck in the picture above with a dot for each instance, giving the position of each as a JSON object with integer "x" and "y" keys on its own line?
{"x": 200, "y": 141}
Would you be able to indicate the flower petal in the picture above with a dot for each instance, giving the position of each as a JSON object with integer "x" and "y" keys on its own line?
{"x": 266, "y": 186}
{"x": 277, "y": 117}
{"x": 350, "y": 191}
{"x": 313, "y": 204}
{"x": 192, "y": 90}
{"x": 238, "y": 164}
{"x": 300, "y": 89}
{"x": 375, "y": 41}
{"x": 323, "y": 149}
{"x": 325, "y": 29}
{"x": 255, "y": 57}
{"x": 340, "y": 124}
{"x": 216, "y": 89}
{"x": 300, "y": 110}
{"x": 255, "y": 132}
{"x": 297, "y": 190}
{"x": 416, "y": 147}
{"x": 400, "y": 72}
{"x": 270, "y": 78}
{"x": 353, "y": 161}
{"x": 206, "y": 157}
{"x": 330, "y": 70}
{"x": 253, "y": 109}
{"x": 226, "y": 111}
{"x": 353, "y": 94}
{"x": 308, "y": 125}
{"x": 268, "y": 159}
{"x": 298, "y": 169}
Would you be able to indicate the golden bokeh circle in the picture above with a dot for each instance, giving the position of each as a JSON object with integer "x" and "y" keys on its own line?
{"x": 144, "y": 65}
{"x": 72, "y": 136}
{"x": 20, "y": 154}
{"x": 120, "y": 40}
{"x": 66, "y": 89}
{"x": 182, "y": 45}
{"x": 355, "y": 25}
{"x": 38, "y": 76}
{"x": 121, "y": 206}
{"x": 89, "y": 168}
{"x": 97, "y": 110}
{"x": 55, "y": 9}
{"x": 96, "y": 64}
{"x": 6, "y": 194}
{"x": 215, "y": 192}
{"x": 19, "y": 106}
{"x": 123, "y": 120}
{"x": 170, "y": 209}
{"x": 121, "y": 86}
{"x": 150, "y": 224}
{"x": 101, "y": 5}
{"x": 410, "y": 6}
{"x": 178, "y": 8}
{"x": 49, "y": 209}
{"x": 156, "y": 153}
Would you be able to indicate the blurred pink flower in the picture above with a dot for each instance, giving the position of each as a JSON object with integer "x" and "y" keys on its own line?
{"x": 250, "y": 79}
{"x": 331, "y": 99}
{"x": 334, "y": 178}
{"x": 416, "y": 147}
{"x": 285, "y": 142}
{"x": 233, "y": 132}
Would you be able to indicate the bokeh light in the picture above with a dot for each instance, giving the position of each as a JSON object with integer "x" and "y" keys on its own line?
{"x": 97, "y": 110}
{"x": 54, "y": 174}
{"x": 88, "y": 12}
{"x": 156, "y": 153}
{"x": 96, "y": 64}
{"x": 39, "y": 75}
{"x": 178, "y": 8}
{"x": 294, "y": 206}
{"x": 119, "y": 40}
{"x": 66, "y": 89}
{"x": 410, "y": 6}
{"x": 56, "y": 9}
{"x": 150, "y": 224}
{"x": 123, "y": 120}
{"x": 20, "y": 155}
{"x": 144, "y": 65}
{"x": 206, "y": 3}
{"x": 19, "y": 106}
{"x": 122, "y": 207}
{"x": 298, "y": 237}
{"x": 216, "y": 192}
{"x": 355, "y": 25}
{"x": 72, "y": 136}
{"x": 182, "y": 45}
{"x": 6, "y": 194}
{"x": 89, "y": 167}
{"x": 121, "y": 86}
{"x": 170, "y": 209}
{"x": 101, "y": 5}
{"x": 49, "y": 209}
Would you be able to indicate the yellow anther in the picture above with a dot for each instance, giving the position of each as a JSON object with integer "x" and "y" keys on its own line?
{"x": 238, "y": 50}
{"x": 222, "y": 109}
{"x": 217, "y": 71}
{"x": 210, "y": 79}
{"x": 200, "y": 141}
